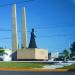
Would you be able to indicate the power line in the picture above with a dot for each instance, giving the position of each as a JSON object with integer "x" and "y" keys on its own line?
{"x": 57, "y": 35}
{"x": 50, "y": 26}
{"x": 7, "y": 30}
{"x": 43, "y": 27}
{"x": 44, "y": 37}
{"x": 19, "y": 2}
{"x": 5, "y": 38}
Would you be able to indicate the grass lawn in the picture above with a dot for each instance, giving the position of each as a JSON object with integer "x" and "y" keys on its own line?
{"x": 21, "y": 65}
{"x": 71, "y": 67}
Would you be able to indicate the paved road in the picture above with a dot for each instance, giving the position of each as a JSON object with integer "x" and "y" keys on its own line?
{"x": 34, "y": 73}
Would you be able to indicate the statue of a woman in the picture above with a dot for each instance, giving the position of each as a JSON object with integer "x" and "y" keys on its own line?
{"x": 32, "y": 43}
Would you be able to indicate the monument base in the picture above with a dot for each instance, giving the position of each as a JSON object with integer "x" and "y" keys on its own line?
{"x": 32, "y": 54}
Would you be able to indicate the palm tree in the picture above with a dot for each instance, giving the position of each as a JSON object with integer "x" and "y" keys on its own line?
{"x": 66, "y": 54}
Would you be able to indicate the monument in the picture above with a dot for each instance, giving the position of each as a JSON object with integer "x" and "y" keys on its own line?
{"x": 24, "y": 53}
{"x": 24, "y": 30}
{"x": 14, "y": 33}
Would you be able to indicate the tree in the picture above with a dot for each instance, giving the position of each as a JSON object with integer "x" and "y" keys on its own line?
{"x": 72, "y": 49}
{"x": 1, "y": 48}
{"x": 66, "y": 54}
{"x": 49, "y": 55}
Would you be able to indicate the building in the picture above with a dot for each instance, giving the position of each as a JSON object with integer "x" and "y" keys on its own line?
{"x": 53, "y": 56}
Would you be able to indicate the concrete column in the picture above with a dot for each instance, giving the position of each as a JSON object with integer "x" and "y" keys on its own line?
{"x": 24, "y": 31}
{"x": 14, "y": 31}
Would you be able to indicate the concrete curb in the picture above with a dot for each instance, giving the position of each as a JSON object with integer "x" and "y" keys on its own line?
{"x": 34, "y": 69}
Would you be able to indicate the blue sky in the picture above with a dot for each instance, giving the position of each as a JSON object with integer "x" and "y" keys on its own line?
{"x": 53, "y": 21}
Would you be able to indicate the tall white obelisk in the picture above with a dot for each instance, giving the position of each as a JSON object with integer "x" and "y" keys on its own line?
{"x": 24, "y": 31}
{"x": 14, "y": 31}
